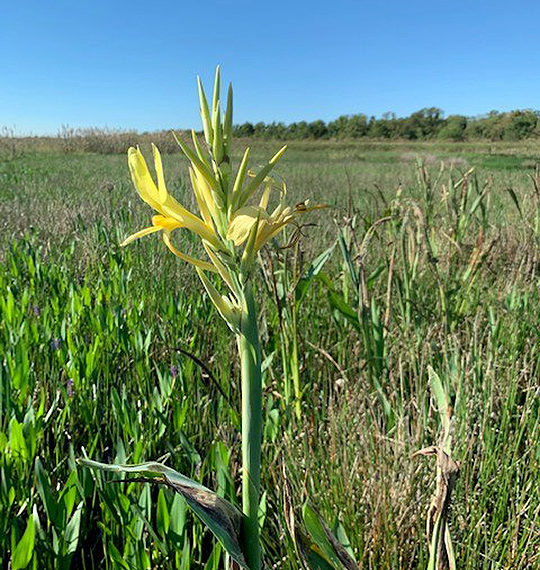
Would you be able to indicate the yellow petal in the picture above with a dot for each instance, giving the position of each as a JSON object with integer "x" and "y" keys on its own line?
{"x": 266, "y": 194}
{"x": 165, "y": 223}
{"x": 271, "y": 230}
{"x": 158, "y": 223}
{"x": 250, "y": 250}
{"x": 242, "y": 222}
{"x": 203, "y": 207}
{"x": 161, "y": 200}
{"x": 162, "y": 189}
{"x": 141, "y": 178}
{"x": 190, "y": 221}
{"x": 183, "y": 256}
{"x": 140, "y": 234}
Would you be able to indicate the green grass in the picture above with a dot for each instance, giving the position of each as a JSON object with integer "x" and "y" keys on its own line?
{"x": 90, "y": 332}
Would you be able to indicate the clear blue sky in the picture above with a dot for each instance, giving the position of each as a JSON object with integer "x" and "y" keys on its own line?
{"x": 134, "y": 64}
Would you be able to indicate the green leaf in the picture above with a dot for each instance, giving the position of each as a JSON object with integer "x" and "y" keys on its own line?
{"x": 44, "y": 490}
{"x": 515, "y": 200}
{"x": 312, "y": 271}
{"x": 317, "y": 562}
{"x": 327, "y": 546}
{"x": 433, "y": 551}
{"x": 316, "y": 531}
{"x": 112, "y": 551}
{"x": 347, "y": 257}
{"x": 338, "y": 303}
{"x": 341, "y": 535}
{"x": 25, "y": 548}
{"x": 16, "y": 440}
{"x": 162, "y": 520}
{"x": 71, "y": 536}
{"x": 441, "y": 399}
{"x": 220, "y": 516}
{"x": 177, "y": 519}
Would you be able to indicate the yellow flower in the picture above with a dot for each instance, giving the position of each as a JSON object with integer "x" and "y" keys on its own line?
{"x": 226, "y": 220}
{"x": 172, "y": 214}
{"x": 268, "y": 225}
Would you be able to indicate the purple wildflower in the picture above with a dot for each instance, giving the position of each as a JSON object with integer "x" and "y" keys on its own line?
{"x": 36, "y": 310}
{"x": 70, "y": 387}
{"x": 174, "y": 371}
{"x": 55, "y": 343}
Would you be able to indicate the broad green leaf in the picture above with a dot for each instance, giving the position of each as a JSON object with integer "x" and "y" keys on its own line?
{"x": 327, "y": 545}
{"x": 71, "y": 536}
{"x": 177, "y": 519}
{"x": 317, "y": 562}
{"x": 220, "y": 516}
{"x": 316, "y": 531}
{"x": 25, "y": 548}
{"x": 372, "y": 277}
{"x": 341, "y": 535}
{"x": 16, "y": 440}
{"x": 112, "y": 551}
{"x": 162, "y": 517}
{"x": 69, "y": 493}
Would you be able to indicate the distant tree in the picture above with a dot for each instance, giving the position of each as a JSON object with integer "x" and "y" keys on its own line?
{"x": 384, "y": 128}
{"x": 521, "y": 125}
{"x": 494, "y": 126}
{"x": 338, "y": 127}
{"x": 317, "y": 129}
{"x": 357, "y": 126}
{"x": 244, "y": 130}
{"x": 276, "y": 131}
{"x": 299, "y": 130}
{"x": 423, "y": 124}
{"x": 475, "y": 129}
{"x": 259, "y": 129}
{"x": 453, "y": 128}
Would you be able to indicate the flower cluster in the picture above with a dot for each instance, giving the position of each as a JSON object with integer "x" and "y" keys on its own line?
{"x": 232, "y": 230}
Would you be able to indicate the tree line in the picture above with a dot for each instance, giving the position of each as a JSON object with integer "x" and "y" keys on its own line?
{"x": 425, "y": 124}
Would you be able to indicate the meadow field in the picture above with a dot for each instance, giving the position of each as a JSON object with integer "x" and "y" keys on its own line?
{"x": 422, "y": 274}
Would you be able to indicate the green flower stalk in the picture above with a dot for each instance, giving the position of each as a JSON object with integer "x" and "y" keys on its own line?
{"x": 232, "y": 230}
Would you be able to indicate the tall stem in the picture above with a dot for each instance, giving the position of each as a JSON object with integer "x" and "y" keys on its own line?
{"x": 250, "y": 357}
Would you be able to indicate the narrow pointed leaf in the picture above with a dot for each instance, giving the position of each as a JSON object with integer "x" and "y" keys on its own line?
{"x": 312, "y": 271}
{"x": 198, "y": 148}
{"x": 215, "y": 102}
{"x": 260, "y": 176}
{"x": 228, "y": 119}
{"x": 441, "y": 399}
{"x": 205, "y": 171}
{"x": 239, "y": 181}
{"x": 205, "y": 114}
